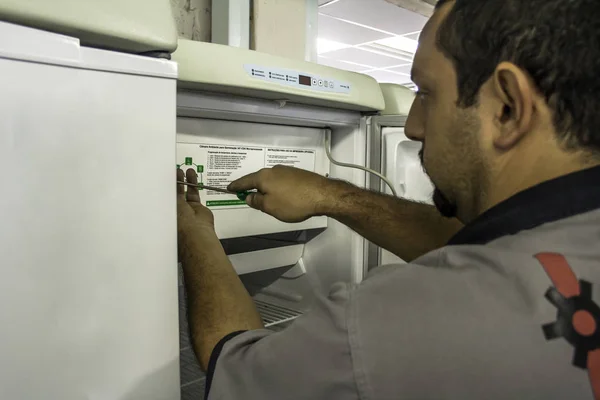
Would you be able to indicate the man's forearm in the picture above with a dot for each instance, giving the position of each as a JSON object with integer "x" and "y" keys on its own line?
{"x": 218, "y": 303}
{"x": 406, "y": 228}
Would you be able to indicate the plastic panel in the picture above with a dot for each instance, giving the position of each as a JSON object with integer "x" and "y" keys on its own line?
{"x": 134, "y": 26}
{"x": 242, "y": 220}
{"x": 401, "y": 164}
{"x": 221, "y": 69}
{"x": 28, "y": 44}
{"x": 398, "y": 99}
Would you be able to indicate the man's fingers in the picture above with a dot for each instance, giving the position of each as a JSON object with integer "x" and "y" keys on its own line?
{"x": 248, "y": 182}
{"x": 256, "y": 201}
{"x": 192, "y": 191}
{"x": 180, "y": 178}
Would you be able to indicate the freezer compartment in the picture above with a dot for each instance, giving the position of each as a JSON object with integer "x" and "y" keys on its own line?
{"x": 222, "y": 151}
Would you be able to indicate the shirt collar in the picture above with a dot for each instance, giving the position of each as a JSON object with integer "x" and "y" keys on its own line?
{"x": 553, "y": 200}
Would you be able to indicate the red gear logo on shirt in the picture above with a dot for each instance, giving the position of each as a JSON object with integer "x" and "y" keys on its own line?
{"x": 578, "y": 316}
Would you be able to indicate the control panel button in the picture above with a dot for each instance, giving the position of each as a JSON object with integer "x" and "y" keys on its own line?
{"x": 331, "y": 85}
{"x": 314, "y": 82}
{"x": 320, "y": 82}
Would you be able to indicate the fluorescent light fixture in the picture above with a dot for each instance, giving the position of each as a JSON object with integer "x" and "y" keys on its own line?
{"x": 331, "y": 2}
{"x": 400, "y": 43}
{"x": 357, "y": 64}
{"x": 326, "y": 46}
{"x": 387, "y": 77}
{"x": 386, "y": 70}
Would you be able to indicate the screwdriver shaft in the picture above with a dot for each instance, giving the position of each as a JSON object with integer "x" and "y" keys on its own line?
{"x": 202, "y": 186}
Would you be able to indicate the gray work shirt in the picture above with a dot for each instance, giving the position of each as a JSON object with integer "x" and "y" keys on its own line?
{"x": 506, "y": 311}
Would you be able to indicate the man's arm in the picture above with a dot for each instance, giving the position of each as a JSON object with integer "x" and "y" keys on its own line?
{"x": 405, "y": 228}
{"x": 218, "y": 303}
{"x": 310, "y": 359}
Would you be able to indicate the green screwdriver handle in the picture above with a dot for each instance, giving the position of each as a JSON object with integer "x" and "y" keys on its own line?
{"x": 244, "y": 195}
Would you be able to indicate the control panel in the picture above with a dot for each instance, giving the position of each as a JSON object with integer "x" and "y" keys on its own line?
{"x": 297, "y": 79}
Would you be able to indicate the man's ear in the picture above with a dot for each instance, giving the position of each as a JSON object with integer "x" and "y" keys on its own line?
{"x": 514, "y": 90}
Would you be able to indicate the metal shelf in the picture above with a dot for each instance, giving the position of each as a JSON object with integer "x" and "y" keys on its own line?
{"x": 192, "y": 378}
{"x": 273, "y": 315}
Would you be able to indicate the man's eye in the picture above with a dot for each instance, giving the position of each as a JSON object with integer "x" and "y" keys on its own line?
{"x": 421, "y": 95}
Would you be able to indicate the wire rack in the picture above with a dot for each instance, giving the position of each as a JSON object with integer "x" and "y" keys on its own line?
{"x": 193, "y": 379}
{"x": 273, "y": 315}
{"x": 193, "y": 390}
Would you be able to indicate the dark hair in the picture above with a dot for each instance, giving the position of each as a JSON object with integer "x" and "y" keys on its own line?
{"x": 556, "y": 41}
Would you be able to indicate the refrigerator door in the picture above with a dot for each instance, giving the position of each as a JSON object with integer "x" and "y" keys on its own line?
{"x": 88, "y": 254}
{"x": 402, "y": 165}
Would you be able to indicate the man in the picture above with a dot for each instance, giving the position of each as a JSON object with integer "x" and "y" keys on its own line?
{"x": 508, "y": 113}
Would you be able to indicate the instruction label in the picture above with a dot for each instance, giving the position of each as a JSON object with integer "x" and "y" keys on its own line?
{"x": 218, "y": 165}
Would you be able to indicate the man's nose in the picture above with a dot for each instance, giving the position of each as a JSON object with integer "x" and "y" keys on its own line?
{"x": 414, "y": 128}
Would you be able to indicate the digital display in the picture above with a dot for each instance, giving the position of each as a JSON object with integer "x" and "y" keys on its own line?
{"x": 305, "y": 80}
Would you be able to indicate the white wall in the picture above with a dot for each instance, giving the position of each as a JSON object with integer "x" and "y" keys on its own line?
{"x": 193, "y": 19}
{"x": 279, "y": 28}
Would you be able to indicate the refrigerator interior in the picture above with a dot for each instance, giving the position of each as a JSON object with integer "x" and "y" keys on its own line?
{"x": 312, "y": 255}
{"x": 402, "y": 165}
{"x": 396, "y": 156}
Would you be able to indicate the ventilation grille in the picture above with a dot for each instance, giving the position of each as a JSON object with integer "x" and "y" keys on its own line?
{"x": 193, "y": 379}
{"x": 275, "y": 315}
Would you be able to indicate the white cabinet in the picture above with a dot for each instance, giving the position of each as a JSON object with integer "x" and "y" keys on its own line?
{"x": 88, "y": 277}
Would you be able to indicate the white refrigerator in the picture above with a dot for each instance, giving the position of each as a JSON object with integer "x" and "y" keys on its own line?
{"x": 88, "y": 249}
{"x": 239, "y": 111}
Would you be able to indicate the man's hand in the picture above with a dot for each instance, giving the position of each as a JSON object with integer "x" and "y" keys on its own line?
{"x": 288, "y": 194}
{"x": 218, "y": 302}
{"x": 193, "y": 219}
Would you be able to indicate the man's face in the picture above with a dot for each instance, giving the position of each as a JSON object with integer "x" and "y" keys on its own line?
{"x": 451, "y": 136}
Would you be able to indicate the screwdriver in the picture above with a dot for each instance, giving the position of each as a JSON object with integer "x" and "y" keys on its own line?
{"x": 240, "y": 195}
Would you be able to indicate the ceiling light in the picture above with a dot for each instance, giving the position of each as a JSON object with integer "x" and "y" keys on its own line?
{"x": 400, "y": 43}
{"x": 357, "y": 64}
{"x": 329, "y": 3}
{"x": 326, "y": 46}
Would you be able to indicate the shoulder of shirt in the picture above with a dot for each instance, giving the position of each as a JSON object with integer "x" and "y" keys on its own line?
{"x": 438, "y": 276}
{"x": 446, "y": 260}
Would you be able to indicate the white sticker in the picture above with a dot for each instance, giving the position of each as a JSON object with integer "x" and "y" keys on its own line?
{"x": 304, "y": 159}
{"x": 218, "y": 165}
